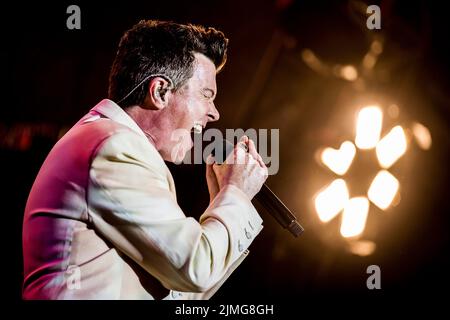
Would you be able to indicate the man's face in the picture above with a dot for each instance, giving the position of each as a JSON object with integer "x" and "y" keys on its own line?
{"x": 191, "y": 105}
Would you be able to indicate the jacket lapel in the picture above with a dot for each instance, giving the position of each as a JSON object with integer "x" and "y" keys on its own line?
{"x": 111, "y": 110}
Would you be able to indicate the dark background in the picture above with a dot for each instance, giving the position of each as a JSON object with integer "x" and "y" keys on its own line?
{"x": 51, "y": 76}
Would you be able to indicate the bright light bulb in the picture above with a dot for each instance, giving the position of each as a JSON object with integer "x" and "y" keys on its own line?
{"x": 383, "y": 189}
{"x": 354, "y": 217}
{"x": 330, "y": 201}
{"x": 339, "y": 160}
{"x": 368, "y": 127}
{"x": 391, "y": 147}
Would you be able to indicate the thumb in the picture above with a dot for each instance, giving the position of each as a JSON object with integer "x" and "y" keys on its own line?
{"x": 211, "y": 179}
{"x": 210, "y": 160}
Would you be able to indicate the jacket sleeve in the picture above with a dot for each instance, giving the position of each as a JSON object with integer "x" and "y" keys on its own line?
{"x": 131, "y": 205}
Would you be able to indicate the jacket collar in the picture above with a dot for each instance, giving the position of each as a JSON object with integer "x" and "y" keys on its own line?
{"x": 111, "y": 110}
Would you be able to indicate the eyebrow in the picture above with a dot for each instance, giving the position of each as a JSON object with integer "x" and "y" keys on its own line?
{"x": 211, "y": 91}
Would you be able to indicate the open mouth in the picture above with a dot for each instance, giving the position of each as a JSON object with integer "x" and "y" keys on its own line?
{"x": 197, "y": 128}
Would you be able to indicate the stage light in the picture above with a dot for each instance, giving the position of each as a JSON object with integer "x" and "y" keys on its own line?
{"x": 330, "y": 201}
{"x": 376, "y": 47}
{"x": 348, "y": 73}
{"x": 391, "y": 147}
{"x": 368, "y": 127}
{"x": 339, "y": 160}
{"x": 354, "y": 217}
{"x": 421, "y": 135}
{"x": 369, "y": 61}
{"x": 362, "y": 248}
{"x": 383, "y": 189}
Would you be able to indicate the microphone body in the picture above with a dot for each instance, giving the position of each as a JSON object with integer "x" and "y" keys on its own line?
{"x": 276, "y": 208}
{"x": 273, "y": 205}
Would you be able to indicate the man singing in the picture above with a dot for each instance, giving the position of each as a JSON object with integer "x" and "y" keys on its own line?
{"x": 102, "y": 219}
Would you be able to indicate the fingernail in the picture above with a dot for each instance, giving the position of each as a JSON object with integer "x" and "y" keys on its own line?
{"x": 210, "y": 160}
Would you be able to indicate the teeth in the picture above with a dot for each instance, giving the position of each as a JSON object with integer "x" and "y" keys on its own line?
{"x": 198, "y": 128}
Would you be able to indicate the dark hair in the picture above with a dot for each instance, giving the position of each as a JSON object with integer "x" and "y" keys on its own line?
{"x": 163, "y": 48}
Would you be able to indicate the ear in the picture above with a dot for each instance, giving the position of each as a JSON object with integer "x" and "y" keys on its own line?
{"x": 158, "y": 93}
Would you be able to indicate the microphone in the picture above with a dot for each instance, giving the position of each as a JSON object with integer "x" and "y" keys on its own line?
{"x": 277, "y": 209}
{"x": 273, "y": 205}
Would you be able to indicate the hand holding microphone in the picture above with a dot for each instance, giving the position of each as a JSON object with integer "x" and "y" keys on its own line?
{"x": 248, "y": 172}
{"x": 243, "y": 169}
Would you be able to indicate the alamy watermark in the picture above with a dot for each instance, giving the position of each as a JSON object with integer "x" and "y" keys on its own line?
{"x": 374, "y": 19}
{"x": 374, "y": 280}
{"x": 266, "y": 141}
{"x": 74, "y": 19}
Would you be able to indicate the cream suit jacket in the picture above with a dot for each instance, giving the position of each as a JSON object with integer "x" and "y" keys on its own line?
{"x": 102, "y": 221}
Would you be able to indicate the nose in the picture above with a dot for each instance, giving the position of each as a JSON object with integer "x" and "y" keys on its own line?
{"x": 213, "y": 114}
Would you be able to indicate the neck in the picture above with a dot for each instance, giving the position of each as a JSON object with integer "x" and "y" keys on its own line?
{"x": 146, "y": 120}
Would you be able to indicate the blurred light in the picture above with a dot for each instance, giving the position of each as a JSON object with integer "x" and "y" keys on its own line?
{"x": 383, "y": 189}
{"x": 422, "y": 135}
{"x": 348, "y": 72}
{"x": 369, "y": 60}
{"x": 331, "y": 200}
{"x": 359, "y": 84}
{"x": 368, "y": 127}
{"x": 362, "y": 248}
{"x": 354, "y": 217}
{"x": 376, "y": 47}
{"x": 391, "y": 147}
{"x": 393, "y": 111}
{"x": 339, "y": 160}
{"x": 312, "y": 61}
{"x": 309, "y": 56}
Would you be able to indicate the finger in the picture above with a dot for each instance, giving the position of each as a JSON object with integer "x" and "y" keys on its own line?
{"x": 265, "y": 172}
{"x": 212, "y": 182}
{"x": 261, "y": 162}
{"x": 239, "y": 155}
{"x": 214, "y": 168}
{"x": 210, "y": 163}
{"x": 261, "y": 172}
{"x": 243, "y": 143}
{"x": 244, "y": 139}
{"x": 210, "y": 160}
{"x": 252, "y": 149}
{"x": 251, "y": 160}
{"x": 209, "y": 171}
